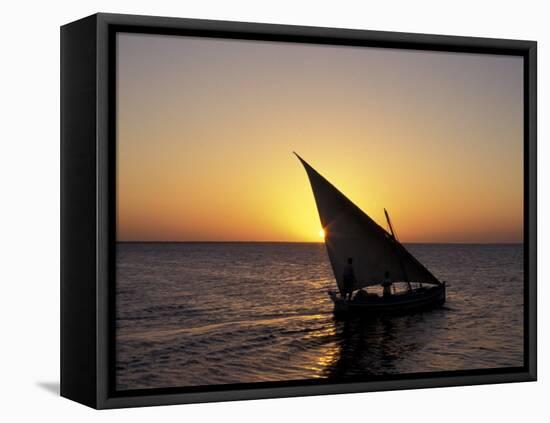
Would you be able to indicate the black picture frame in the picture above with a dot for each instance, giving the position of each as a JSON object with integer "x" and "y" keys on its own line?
{"x": 88, "y": 201}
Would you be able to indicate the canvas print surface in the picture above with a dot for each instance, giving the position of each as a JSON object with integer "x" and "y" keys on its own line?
{"x": 290, "y": 212}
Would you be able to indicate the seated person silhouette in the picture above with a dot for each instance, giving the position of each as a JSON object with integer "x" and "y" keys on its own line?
{"x": 387, "y": 284}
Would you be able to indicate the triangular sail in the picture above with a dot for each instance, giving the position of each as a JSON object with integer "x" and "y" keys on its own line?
{"x": 349, "y": 232}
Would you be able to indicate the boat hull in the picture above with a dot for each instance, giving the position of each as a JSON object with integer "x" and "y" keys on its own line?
{"x": 418, "y": 300}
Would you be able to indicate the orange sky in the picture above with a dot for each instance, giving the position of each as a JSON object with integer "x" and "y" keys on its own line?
{"x": 206, "y": 130}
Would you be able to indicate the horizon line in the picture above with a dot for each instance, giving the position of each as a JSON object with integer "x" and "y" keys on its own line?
{"x": 308, "y": 242}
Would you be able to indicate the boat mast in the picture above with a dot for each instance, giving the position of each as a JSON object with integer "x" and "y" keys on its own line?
{"x": 394, "y": 236}
{"x": 390, "y": 225}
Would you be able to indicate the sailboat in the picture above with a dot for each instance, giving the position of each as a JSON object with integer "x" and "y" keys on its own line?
{"x": 377, "y": 255}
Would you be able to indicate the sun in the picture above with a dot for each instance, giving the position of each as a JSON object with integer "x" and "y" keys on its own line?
{"x": 322, "y": 233}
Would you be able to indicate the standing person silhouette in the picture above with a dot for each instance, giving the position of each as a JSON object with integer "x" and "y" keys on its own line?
{"x": 348, "y": 279}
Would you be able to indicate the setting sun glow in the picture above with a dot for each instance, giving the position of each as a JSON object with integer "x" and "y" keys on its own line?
{"x": 204, "y": 145}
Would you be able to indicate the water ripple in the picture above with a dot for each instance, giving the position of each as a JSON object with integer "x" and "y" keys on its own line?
{"x": 201, "y": 314}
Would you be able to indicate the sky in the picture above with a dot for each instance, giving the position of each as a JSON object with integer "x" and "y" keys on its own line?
{"x": 206, "y": 129}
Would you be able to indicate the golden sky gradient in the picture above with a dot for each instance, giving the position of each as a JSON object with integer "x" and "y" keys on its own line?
{"x": 206, "y": 129}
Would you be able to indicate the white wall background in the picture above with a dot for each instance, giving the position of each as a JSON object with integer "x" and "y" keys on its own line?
{"x": 29, "y": 212}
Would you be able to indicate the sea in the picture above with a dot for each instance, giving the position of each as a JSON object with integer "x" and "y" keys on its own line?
{"x": 196, "y": 314}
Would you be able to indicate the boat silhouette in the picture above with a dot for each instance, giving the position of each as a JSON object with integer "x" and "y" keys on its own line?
{"x": 378, "y": 258}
